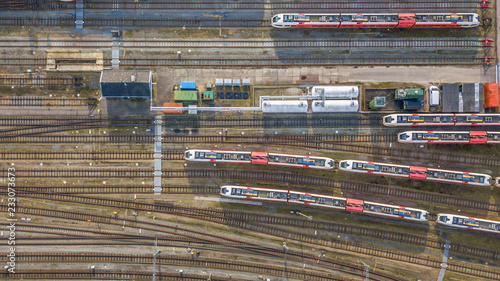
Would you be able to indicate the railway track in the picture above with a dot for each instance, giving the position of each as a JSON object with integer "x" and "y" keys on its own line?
{"x": 272, "y": 220}
{"x": 206, "y": 239}
{"x": 344, "y": 43}
{"x": 223, "y": 264}
{"x": 309, "y": 6}
{"x": 44, "y": 101}
{"x": 35, "y": 80}
{"x": 18, "y": 127}
{"x": 103, "y": 274}
{"x": 352, "y": 143}
{"x": 268, "y": 177}
{"x": 213, "y": 216}
{"x": 319, "y": 61}
{"x": 43, "y": 120}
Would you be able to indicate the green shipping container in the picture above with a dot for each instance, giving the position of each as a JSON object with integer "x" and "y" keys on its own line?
{"x": 186, "y": 95}
{"x": 406, "y": 94}
{"x": 208, "y": 95}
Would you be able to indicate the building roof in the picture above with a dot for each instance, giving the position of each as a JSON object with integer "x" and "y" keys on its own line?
{"x": 462, "y": 98}
{"x": 185, "y": 95}
{"x": 115, "y": 76}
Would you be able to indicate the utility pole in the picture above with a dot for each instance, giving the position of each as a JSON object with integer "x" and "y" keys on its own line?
{"x": 155, "y": 253}
{"x": 367, "y": 269}
{"x": 285, "y": 248}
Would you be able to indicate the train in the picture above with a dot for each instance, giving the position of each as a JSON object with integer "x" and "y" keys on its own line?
{"x": 375, "y": 20}
{"x": 415, "y": 172}
{"x": 469, "y": 223}
{"x": 472, "y": 137}
{"x": 355, "y": 205}
{"x": 317, "y": 200}
{"x": 262, "y": 158}
{"x": 441, "y": 119}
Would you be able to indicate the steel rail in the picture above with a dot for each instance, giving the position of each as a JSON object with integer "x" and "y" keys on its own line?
{"x": 264, "y": 176}
{"x": 277, "y": 220}
{"x": 104, "y": 274}
{"x": 337, "y": 6}
{"x": 247, "y": 43}
{"x": 215, "y": 241}
{"x": 352, "y": 143}
{"x": 271, "y": 62}
{"x": 266, "y": 229}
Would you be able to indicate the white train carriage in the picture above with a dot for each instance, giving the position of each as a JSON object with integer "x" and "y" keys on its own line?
{"x": 472, "y": 137}
{"x": 434, "y": 137}
{"x": 419, "y": 120}
{"x": 317, "y": 200}
{"x": 256, "y": 193}
{"x": 300, "y": 161}
{"x": 469, "y": 223}
{"x": 458, "y": 177}
{"x": 395, "y": 211}
{"x": 218, "y": 156}
{"x": 375, "y": 168}
{"x": 477, "y": 119}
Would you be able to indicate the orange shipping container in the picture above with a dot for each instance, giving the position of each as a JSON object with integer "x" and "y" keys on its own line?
{"x": 491, "y": 95}
{"x": 174, "y": 104}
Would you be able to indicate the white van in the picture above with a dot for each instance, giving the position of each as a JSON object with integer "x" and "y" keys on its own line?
{"x": 434, "y": 96}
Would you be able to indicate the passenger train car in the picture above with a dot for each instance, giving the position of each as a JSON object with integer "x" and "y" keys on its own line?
{"x": 317, "y": 200}
{"x": 262, "y": 158}
{"x": 415, "y": 172}
{"x": 375, "y": 20}
{"x": 473, "y": 137}
{"x": 469, "y": 223}
{"x": 442, "y": 119}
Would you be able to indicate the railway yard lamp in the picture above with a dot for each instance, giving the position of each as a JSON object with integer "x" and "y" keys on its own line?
{"x": 298, "y": 212}
{"x": 285, "y": 248}
{"x": 367, "y": 269}
{"x": 155, "y": 253}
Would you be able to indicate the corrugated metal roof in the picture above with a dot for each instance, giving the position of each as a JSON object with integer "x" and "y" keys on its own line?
{"x": 284, "y": 106}
{"x": 185, "y": 95}
{"x": 491, "y": 95}
{"x": 115, "y": 76}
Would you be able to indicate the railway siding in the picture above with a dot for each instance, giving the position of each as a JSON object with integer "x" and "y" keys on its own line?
{"x": 270, "y": 177}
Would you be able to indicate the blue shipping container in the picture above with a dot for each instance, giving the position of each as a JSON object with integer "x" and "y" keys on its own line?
{"x": 187, "y": 86}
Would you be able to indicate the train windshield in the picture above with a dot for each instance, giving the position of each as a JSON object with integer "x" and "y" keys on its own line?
{"x": 276, "y": 19}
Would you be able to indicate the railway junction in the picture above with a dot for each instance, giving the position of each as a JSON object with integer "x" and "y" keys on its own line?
{"x": 249, "y": 140}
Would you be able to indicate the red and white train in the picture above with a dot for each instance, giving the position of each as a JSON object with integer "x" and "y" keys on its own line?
{"x": 375, "y": 20}
{"x": 442, "y": 119}
{"x": 469, "y": 223}
{"x": 317, "y": 200}
{"x": 415, "y": 172}
{"x": 355, "y": 205}
{"x": 262, "y": 158}
{"x": 473, "y": 137}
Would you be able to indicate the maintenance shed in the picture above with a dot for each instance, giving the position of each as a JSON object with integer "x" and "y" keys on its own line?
{"x": 462, "y": 97}
{"x": 126, "y": 84}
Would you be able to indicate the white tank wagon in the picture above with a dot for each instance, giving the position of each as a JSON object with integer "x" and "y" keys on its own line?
{"x": 334, "y": 106}
{"x": 284, "y": 106}
{"x": 336, "y": 92}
